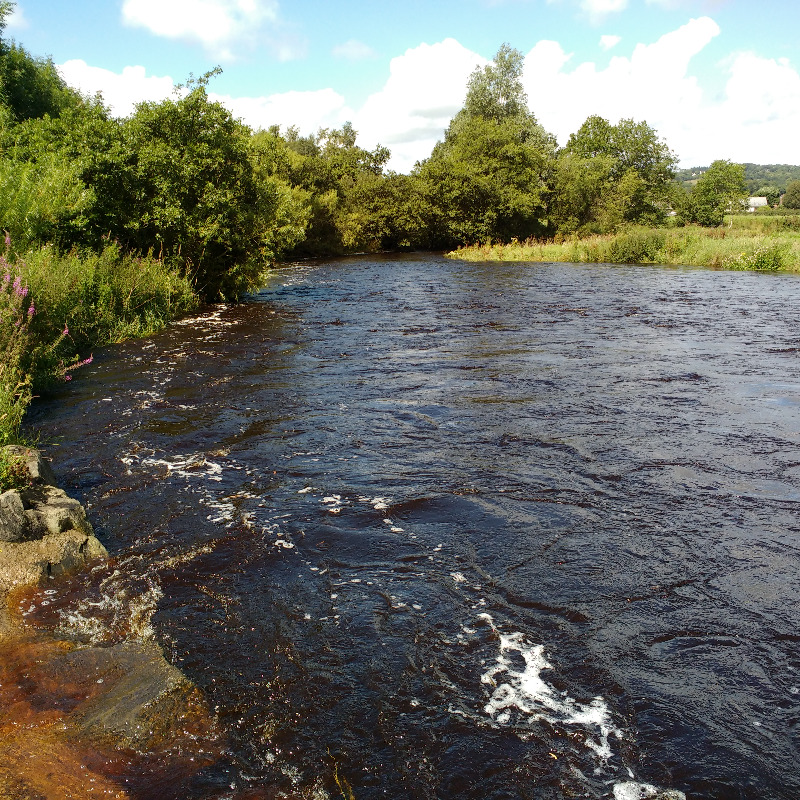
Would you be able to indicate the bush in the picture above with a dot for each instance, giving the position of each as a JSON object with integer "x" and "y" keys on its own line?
{"x": 636, "y": 247}
{"x": 767, "y": 258}
{"x": 90, "y": 300}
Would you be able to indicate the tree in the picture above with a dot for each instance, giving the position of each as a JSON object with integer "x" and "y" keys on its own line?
{"x": 719, "y": 190}
{"x": 792, "y": 197}
{"x": 609, "y": 175}
{"x": 488, "y": 178}
{"x": 30, "y": 87}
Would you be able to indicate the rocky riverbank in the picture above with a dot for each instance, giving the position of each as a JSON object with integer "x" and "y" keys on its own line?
{"x": 79, "y": 720}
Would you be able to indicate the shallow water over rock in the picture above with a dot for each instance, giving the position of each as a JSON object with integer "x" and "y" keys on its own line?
{"x": 427, "y": 529}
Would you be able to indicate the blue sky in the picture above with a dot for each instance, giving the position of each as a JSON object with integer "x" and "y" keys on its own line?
{"x": 716, "y": 78}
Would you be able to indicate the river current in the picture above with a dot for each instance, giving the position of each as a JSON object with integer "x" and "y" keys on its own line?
{"x": 422, "y": 528}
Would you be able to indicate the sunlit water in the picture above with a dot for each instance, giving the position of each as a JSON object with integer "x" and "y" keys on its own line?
{"x": 427, "y": 529}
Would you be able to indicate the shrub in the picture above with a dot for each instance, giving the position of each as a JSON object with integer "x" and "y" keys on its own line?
{"x": 636, "y": 247}
{"x": 767, "y": 258}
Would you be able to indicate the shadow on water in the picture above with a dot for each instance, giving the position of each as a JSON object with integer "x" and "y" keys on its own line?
{"x": 428, "y": 529}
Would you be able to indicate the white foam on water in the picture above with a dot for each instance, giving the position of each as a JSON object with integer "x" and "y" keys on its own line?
{"x": 630, "y": 790}
{"x": 116, "y": 610}
{"x": 333, "y": 503}
{"x": 525, "y": 694}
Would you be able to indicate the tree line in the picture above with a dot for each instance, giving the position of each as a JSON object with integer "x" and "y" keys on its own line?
{"x": 184, "y": 181}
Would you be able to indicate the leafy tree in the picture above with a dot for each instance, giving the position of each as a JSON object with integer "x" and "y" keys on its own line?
{"x": 30, "y": 87}
{"x": 792, "y": 197}
{"x": 609, "y": 175}
{"x": 335, "y": 173}
{"x": 719, "y": 190}
{"x": 196, "y": 197}
{"x": 488, "y": 178}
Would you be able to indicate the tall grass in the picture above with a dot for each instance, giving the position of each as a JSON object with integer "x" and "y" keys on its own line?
{"x": 747, "y": 242}
{"x": 90, "y": 300}
{"x": 55, "y": 308}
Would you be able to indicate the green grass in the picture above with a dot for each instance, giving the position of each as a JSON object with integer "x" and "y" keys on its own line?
{"x": 98, "y": 299}
{"x": 752, "y": 242}
{"x": 73, "y": 303}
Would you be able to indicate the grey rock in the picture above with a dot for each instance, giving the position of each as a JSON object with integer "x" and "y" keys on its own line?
{"x": 33, "y": 562}
{"x": 143, "y": 699}
{"x": 13, "y": 523}
{"x": 50, "y": 510}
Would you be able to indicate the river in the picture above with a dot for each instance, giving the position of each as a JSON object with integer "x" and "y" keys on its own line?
{"x": 422, "y": 528}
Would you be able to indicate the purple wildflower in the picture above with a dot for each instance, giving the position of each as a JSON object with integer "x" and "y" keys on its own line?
{"x": 8, "y": 240}
{"x": 68, "y": 377}
{"x": 65, "y": 331}
{"x": 31, "y": 309}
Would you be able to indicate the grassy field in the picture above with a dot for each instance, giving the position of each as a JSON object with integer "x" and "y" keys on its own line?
{"x": 767, "y": 243}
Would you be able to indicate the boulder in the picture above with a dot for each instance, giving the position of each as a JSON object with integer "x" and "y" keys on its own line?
{"x": 50, "y": 510}
{"x": 33, "y": 562}
{"x": 13, "y": 523}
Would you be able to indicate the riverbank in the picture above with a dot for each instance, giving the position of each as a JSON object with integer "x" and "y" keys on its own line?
{"x": 55, "y": 309}
{"x": 765, "y": 244}
{"x": 80, "y": 719}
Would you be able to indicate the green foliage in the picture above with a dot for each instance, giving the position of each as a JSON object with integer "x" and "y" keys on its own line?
{"x": 748, "y": 244}
{"x": 43, "y": 201}
{"x": 90, "y": 300}
{"x": 16, "y": 312}
{"x": 488, "y": 178}
{"x": 612, "y": 175}
{"x": 756, "y": 176}
{"x": 767, "y": 258}
{"x": 638, "y": 246}
{"x": 13, "y": 470}
{"x": 719, "y": 190}
{"x": 792, "y": 197}
{"x": 335, "y": 174}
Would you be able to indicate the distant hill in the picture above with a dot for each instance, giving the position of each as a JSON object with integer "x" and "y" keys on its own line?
{"x": 757, "y": 176}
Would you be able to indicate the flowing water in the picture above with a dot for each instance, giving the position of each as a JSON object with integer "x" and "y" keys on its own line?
{"x": 427, "y": 529}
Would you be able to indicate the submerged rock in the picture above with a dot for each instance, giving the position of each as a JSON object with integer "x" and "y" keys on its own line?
{"x": 143, "y": 701}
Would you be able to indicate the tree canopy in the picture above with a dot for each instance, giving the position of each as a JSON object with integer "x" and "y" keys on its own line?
{"x": 718, "y": 191}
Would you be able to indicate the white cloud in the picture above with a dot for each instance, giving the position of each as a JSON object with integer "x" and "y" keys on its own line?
{"x": 17, "y": 21}
{"x": 120, "y": 92}
{"x": 219, "y": 25}
{"x": 353, "y": 50}
{"x": 598, "y": 9}
{"x": 653, "y": 84}
{"x": 607, "y": 41}
{"x": 426, "y": 87}
{"x": 308, "y": 111}
{"x": 755, "y": 118}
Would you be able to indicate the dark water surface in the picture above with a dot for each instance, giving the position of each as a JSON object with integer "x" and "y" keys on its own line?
{"x": 429, "y": 529}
